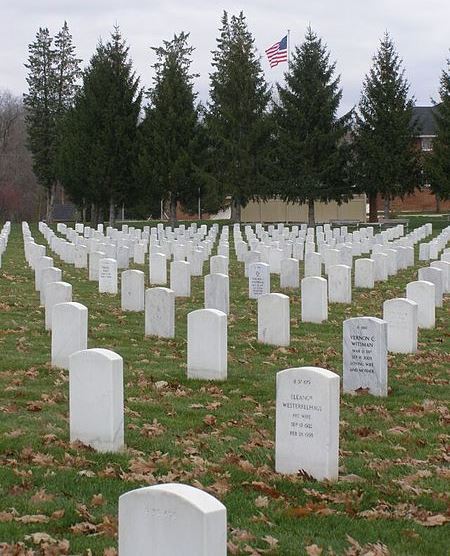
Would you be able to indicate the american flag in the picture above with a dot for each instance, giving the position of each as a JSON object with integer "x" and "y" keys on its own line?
{"x": 278, "y": 52}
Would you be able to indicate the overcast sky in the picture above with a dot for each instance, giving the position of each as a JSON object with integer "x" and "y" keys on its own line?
{"x": 351, "y": 29}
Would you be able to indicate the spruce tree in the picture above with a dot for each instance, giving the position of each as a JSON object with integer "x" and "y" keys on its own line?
{"x": 53, "y": 71}
{"x": 312, "y": 153}
{"x": 237, "y": 121}
{"x": 98, "y": 147}
{"x": 40, "y": 105}
{"x": 437, "y": 164}
{"x": 386, "y": 158}
{"x": 168, "y": 155}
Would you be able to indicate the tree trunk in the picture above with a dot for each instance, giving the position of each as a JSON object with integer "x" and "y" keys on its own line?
{"x": 373, "y": 207}
{"x": 386, "y": 207}
{"x": 173, "y": 211}
{"x": 438, "y": 203}
{"x": 112, "y": 212}
{"x": 311, "y": 216}
{"x": 235, "y": 210}
{"x": 83, "y": 213}
{"x": 50, "y": 203}
{"x": 94, "y": 216}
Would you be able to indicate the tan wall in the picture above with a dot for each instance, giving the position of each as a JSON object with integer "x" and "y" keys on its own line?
{"x": 279, "y": 211}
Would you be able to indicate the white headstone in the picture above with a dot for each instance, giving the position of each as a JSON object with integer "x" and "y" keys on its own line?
{"x": 171, "y": 519}
{"x": 132, "y": 290}
{"x": 107, "y": 276}
{"x": 340, "y": 284}
{"x": 422, "y": 293}
{"x": 96, "y": 399}
{"x": 365, "y": 355}
{"x": 445, "y": 267}
{"x": 434, "y": 275}
{"x": 364, "y": 273}
{"x": 289, "y": 273}
{"x": 158, "y": 269}
{"x": 48, "y": 275}
{"x": 274, "y": 319}
{"x": 217, "y": 292}
{"x": 94, "y": 261}
{"x": 218, "y": 264}
{"x": 69, "y": 331}
{"x": 313, "y": 264}
{"x": 207, "y": 344}
{"x": 314, "y": 298}
{"x": 160, "y": 312}
{"x": 55, "y": 292}
{"x": 258, "y": 280}
{"x": 180, "y": 278}
{"x": 307, "y": 422}
{"x": 401, "y": 316}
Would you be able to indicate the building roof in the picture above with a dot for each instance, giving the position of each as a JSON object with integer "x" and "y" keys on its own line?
{"x": 424, "y": 121}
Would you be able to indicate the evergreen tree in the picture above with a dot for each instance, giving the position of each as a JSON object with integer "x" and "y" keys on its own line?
{"x": 437, "y": 164}
{"x": 40, "y": 104}
{"x": 168, "y": 157}
{"x": 98, "y": 147}
{"x": 237, "y": 122}
{"x": 386, "y": 159}
{"x": 52, "y": 83}
{"x": 312, "y": 149}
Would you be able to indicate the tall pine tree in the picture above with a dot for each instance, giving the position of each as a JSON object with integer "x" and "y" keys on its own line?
{"x": 387, "y": 161}
{"x": 237, "y": 121}
{"x": 312, "y": 154}
{"x": 98, "y": 148}
{"x": 168, "y": 157}
{"x": 437, "y": 163}
{"x": 53, "y": 71}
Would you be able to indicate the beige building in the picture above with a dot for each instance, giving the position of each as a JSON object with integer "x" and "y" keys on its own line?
{"x": 276, "y": 210}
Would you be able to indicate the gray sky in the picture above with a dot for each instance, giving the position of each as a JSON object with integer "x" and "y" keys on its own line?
{"x": 351, "y": 29}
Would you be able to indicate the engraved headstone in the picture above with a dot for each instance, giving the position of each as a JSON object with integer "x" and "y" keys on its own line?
{"x": 314, "y": 298}
{"x": 132, "y": 290}
{"x": 365, "y": 355}
{"x": 307, "y": 422}
{"x": 422, "y": 293}
{"x": 258, "y": 280}
{"x": 160, "y": 312}
{"x": 171, "y": 519}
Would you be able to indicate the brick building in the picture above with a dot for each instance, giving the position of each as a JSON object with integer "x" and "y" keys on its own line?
{"x": 421, "y": 200}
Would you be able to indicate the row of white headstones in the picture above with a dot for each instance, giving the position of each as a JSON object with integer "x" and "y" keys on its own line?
{"x": 307, "y": 407}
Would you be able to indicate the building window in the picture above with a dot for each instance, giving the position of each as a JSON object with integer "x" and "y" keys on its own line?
{"x": 427, "y": 143}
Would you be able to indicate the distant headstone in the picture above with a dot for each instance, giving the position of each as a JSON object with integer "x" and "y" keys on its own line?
{"x": 132, "y": 290}
{"x": 365, "y": 355}
{"x": 364, "y": 273}
{"x": 434, "y": 275}
{"x": 107, "y": 276}
{"x": 158, "y": 269}
{"x": 258, "y": 280}
{"x": 218, "y": 264}
{"x": 313, "y": 264}
{"x": 314, "y": 298}
{"x": 401, "y": 316}
{"x": 307, "y": 423}
{"x": 69, "y": 331}
{"x": 207, "y": 344}
{"x": 422, "y": 293}
{"x": 170, "y": 520}
{"x": 160, "y": 312}
{"x": 180, "y": 278}
{"x": 274, "y": 319}
{"x": 49, "y": 274}
{"x": 289, "y": 273}
{"x": 340, "y": 284}
{"x": 55, "y": 292}
{"x": 96, "y": 399}
{"x": 94, "y": 261}
{"x": 217, "y": 292}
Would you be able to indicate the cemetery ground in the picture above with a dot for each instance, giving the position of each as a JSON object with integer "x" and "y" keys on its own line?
{"x": 61, "y": 498}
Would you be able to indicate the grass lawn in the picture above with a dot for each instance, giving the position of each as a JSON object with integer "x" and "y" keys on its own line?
{"x": 58, "y": 498}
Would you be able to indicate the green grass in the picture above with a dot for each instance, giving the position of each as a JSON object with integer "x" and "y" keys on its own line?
{"x": 393, "y": 461}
